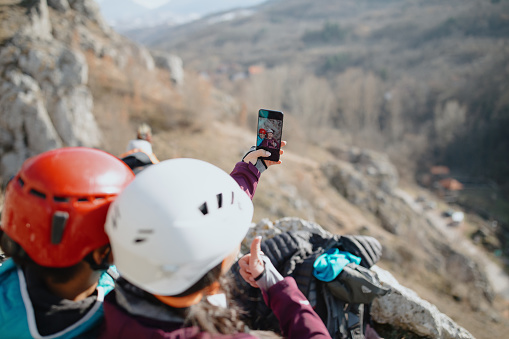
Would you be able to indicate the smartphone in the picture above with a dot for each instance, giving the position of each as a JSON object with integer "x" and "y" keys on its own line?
{"x": 269, "y": 132}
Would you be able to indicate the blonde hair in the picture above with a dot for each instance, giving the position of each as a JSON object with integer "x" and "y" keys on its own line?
{"x": 144, "y": 131}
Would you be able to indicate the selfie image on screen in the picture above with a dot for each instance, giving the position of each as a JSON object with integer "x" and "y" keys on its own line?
{"x": 269, "y": 136}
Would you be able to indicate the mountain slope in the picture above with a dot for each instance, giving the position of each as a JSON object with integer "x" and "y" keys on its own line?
{"x": 424, "y": 81}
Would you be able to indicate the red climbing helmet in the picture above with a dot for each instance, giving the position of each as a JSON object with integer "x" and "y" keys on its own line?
{"x": 262, "y": 131}
{"x": 56, "y": 205}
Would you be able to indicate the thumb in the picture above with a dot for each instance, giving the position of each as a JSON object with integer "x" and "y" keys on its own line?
{"x": 256, "y": 247}
{"x": 256, "y": 264}
{"x": 252, "y": 157}
{"x": 262, "y": 153}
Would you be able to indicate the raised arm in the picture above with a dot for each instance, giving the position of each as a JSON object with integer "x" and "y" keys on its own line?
{"x": 247, "y": 172}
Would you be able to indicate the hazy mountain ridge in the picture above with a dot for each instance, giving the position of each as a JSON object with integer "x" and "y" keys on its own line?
{"x": 128, "y": 15}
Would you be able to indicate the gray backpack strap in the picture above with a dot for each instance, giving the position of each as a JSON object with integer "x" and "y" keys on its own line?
{"x": 343, "y": 321}
{"x": 336, "y": 321}
{"x": 355, "y": 321}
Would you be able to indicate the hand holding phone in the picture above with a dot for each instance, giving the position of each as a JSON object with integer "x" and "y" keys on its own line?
{"x": 269, "y": 131}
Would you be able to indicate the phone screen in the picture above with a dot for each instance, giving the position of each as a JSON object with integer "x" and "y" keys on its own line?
{"x": 269, "y": 132}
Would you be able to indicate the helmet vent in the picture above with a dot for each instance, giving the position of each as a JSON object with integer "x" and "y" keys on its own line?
{"x": 82, "y": 199}
{"x": 233, "y": 197}
{"x": 139, "y": 240}
{"x": 203, "y": 208}
{"x": 57, "y": 226}
{"x": 21, "y": 182}
{"x": 60, "y": 199}
{"x": 219, "y": 200}
{"x": 38, "y": 193}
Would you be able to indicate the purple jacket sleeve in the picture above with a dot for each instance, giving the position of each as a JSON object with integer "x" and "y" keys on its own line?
{"x": 297, "y": 318}
{"x": 247, "y": 176}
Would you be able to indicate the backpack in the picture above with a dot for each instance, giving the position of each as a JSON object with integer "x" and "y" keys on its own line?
{"x": 348, "y": 300}
{"x": 138, "y": 160}
{"x": 342, "y": 304}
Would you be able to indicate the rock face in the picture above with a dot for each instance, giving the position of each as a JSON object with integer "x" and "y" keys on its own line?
{"x": 45, "y": 101}
{"x": 369, "y": 181}
{"x": 171, "y": 63}
{"x": 366, "y": 179}
{"x": 401, "y": 308}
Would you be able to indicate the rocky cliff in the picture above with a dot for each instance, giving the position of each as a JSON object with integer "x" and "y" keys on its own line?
{"x": 45, "y": 99}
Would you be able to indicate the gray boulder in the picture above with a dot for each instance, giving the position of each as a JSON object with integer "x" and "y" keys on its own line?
{"x": 37, "y": 23}
{"x": 172, "y": 63}
{"x": 403, "y": 308}
{"x": 25, "y": 125}
{"x": 44, "y": 99}
{"x": 62, "y": 75}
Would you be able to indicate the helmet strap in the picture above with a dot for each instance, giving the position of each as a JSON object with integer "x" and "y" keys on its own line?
{"x": 196, "y": 297}
{"x": 191, "y": 299}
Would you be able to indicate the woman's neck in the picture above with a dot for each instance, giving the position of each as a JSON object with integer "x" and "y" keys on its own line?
{"x": 81, "y": 286}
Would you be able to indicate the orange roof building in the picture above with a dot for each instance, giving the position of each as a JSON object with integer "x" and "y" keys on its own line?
{"x": 255, "y": 69}
{"x": 451, "y": 184}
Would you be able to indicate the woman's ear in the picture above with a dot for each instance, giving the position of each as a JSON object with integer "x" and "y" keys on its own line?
{"x": 103, "y": 255}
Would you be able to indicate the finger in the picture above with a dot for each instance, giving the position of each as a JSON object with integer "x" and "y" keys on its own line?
{"x": 270, "y": 163}
{"x": 244, "y": 261}
{"x": 253, "y": 282}
{"x": 245, "y": 276}
{"x": 283, "y": 143}
{"x": 245, "y": 268}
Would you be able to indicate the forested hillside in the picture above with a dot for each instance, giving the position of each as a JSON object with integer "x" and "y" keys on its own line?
{"x": 425, "y": 81}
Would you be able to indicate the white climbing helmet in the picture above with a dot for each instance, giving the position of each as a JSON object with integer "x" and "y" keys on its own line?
{"x": 176, "y": 221}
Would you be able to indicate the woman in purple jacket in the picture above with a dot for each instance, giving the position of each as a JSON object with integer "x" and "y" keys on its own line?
{"x": 175, "y": 232}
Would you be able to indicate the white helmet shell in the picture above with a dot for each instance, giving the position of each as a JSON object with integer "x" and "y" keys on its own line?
{"x": 174, "y": 222}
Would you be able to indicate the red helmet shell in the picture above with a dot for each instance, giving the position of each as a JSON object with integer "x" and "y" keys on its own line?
{"x": 262, "y": 131}
{"x": 77, "y": 183}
